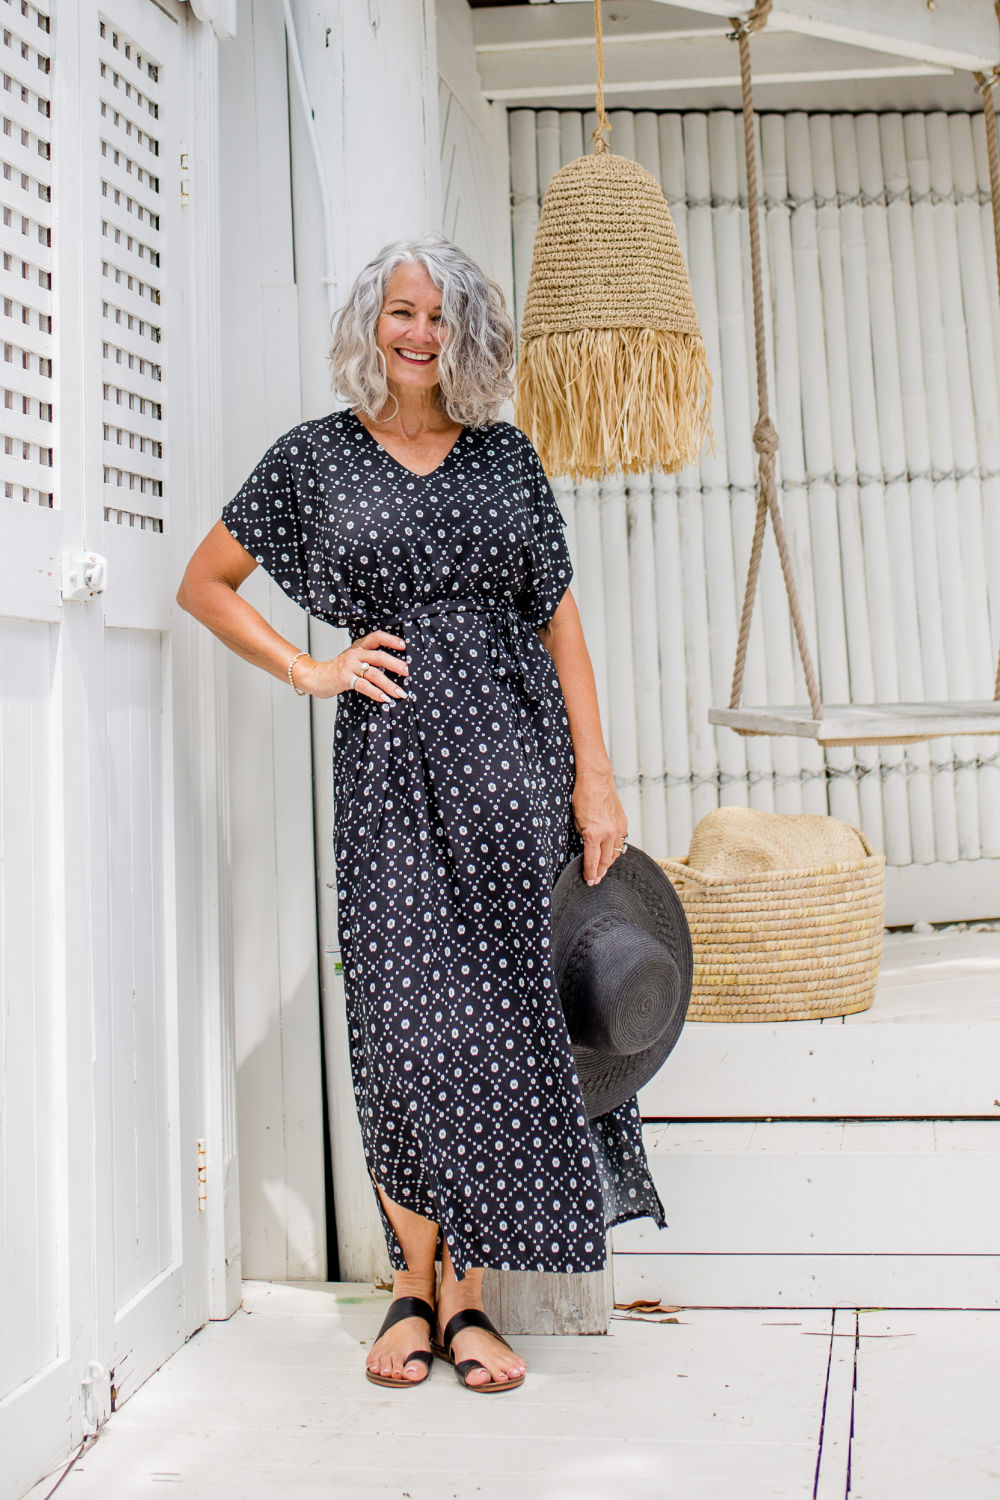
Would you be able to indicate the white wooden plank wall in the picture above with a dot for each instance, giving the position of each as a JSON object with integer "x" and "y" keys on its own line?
{"x": 30, "y": 1216}
{"x": 140, "y": 1064}
{"x": 271, "y": 863}
{"x": 884, "y": 336}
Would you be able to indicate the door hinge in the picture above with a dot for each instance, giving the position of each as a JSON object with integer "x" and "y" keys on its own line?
{"x": 202, "y": 1176}
{"x": 185, "y": 178}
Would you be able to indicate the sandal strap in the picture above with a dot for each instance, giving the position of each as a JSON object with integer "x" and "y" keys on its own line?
{"x": 469, "y": 1317}
{"x": 407, "y": 1307}
{"x": 423, "y": 1355}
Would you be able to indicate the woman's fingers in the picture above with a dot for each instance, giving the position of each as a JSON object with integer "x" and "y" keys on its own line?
{"x": 599, "y": 853}
{"x": 384, "y": 688}
{"x": 375, "y": 683}
{"x": 371, "y": 643}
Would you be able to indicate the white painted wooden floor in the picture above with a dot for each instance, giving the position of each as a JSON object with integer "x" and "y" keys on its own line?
{"x": 747, "y": 1404}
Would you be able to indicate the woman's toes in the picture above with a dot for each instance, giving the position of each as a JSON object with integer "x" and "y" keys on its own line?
{"x": 415, "y": 1371}
{"x": 478, "y": 1377}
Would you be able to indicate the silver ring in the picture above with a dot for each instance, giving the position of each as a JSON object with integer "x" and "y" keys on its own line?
{"x": 354, "y": 678}
{"x": 364, "y": 668}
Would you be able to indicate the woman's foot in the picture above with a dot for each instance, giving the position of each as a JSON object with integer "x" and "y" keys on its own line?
{"x": 387, "y": 1355}
{"x": 474, "y": 1343}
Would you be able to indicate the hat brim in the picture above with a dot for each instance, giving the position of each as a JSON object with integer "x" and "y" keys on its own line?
{"x": 608, "y": 1080}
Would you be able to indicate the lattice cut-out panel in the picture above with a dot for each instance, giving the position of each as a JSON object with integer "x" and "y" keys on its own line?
{"x": 131, "y": 282}
{"x": 26, "y": 383}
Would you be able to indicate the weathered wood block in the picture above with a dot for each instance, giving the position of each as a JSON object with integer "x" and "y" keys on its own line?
{"x": 547, "y": 1302}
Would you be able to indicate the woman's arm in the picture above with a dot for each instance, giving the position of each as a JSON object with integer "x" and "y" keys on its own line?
{"x": 208, "y": 591}
{"x": 599, "y": 814}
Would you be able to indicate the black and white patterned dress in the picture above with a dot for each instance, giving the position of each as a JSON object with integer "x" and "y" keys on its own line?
{"x": 452, "y": 820}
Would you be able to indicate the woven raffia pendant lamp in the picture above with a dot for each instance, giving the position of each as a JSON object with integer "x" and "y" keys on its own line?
{"x": 611, "y": 372}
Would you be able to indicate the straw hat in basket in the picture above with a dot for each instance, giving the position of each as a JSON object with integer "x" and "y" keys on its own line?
{"x": 621, "y": 952}
{"x": 786, "y": 914}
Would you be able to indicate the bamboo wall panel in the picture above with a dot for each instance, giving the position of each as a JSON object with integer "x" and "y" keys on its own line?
{"x": 884, "y": 338}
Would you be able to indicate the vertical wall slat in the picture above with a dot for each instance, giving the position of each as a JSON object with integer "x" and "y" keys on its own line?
{"x": 666, "y": 515}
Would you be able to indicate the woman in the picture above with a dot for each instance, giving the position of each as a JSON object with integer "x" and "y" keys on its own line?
{"x": 469, "y": 768}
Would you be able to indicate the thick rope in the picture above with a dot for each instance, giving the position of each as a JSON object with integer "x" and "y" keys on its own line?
{"x": 986, "y": 82}
{"x": 603, "y": 126}
{"x": 765, "y": 437}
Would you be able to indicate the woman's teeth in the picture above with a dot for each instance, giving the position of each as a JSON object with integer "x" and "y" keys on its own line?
{"x": 416, "y": 359}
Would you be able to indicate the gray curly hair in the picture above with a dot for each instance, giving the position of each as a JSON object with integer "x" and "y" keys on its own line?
{"x": 476, "y": 356}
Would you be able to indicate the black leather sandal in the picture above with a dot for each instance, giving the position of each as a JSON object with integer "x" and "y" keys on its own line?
{"x": 471, "y": 1317}
{"x": 406, "y": 1307}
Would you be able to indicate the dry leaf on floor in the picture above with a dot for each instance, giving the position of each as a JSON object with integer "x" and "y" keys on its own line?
{"x": 646, "y": 1305}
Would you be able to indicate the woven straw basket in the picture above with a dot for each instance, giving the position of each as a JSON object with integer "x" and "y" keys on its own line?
{"x": 786, "y": 914}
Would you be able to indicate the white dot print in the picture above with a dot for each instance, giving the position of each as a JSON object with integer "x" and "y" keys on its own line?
{"x": 452, "y": 821}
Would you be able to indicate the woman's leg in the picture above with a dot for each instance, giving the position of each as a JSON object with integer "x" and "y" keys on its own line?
{"x": 418, "y": 1241}
{"x": 473, "y": 1343}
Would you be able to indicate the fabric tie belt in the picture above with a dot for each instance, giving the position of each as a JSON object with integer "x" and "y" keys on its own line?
{"x": 515, "y": 648}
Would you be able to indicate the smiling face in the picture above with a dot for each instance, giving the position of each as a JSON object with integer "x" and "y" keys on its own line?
{"x": 410, "y": 330}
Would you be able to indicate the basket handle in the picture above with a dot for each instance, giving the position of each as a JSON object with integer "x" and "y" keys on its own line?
{"x": 683, "y": 871}
{"x": 865, "y": 844}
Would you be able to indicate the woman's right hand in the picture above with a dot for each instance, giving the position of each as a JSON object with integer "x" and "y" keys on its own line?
{"x": 325, "y": 679}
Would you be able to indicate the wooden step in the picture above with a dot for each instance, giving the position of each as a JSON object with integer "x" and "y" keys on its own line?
{"x": 928, "y": 1046}
{"x": 819, "y": 1213}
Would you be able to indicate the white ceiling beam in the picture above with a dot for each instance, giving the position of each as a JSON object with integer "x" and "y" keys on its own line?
{"x": 568, "y": 25}
{"x": 956, "y": 34}
{"x": 665, "y": 64}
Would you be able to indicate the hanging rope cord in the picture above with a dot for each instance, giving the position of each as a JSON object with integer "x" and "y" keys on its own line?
{"x": 986, "y": 83}
{"x": 765, "y": 436}
{"x": 603, "y": 126}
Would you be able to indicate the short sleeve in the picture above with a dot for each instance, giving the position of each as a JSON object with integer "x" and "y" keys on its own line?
{"x": 266, "y": 517}
{"x": 550, "y": 569}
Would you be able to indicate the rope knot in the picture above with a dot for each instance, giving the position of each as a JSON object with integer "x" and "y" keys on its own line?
{"x": 765, "y": 437}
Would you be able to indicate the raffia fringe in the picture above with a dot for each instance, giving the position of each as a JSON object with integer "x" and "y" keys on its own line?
{"x": 598, "y": 400}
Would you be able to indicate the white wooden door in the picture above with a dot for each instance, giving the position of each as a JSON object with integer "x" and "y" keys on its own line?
{"x": 99, "y": 1198}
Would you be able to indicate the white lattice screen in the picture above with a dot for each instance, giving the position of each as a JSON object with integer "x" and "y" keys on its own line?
{"x": 26, "y": 472}
{"x": 131, "y": 283}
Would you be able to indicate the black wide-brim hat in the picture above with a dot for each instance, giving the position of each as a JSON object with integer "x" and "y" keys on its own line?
{"x": 621, "y": 952}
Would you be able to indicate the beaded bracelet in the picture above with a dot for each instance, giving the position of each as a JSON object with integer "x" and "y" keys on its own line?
{"x": 300, "y": 691}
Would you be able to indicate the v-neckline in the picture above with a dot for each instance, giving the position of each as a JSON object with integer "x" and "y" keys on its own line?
{"x": 392, "y": 459}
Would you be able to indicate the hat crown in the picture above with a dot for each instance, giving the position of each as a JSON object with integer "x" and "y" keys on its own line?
{"x": 614, "y": 989}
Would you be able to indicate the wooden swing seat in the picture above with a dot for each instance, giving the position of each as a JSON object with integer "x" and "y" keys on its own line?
{"x": 838, "y": 723}
{"x": 865, "y": 723}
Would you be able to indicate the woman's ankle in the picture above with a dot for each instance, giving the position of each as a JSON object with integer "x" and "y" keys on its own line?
{"x": 414, "y": 1284}
{"x": 465, "y": 1293}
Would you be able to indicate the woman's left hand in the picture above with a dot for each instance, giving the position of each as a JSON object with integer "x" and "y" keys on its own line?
{"x": 601, "y": 820}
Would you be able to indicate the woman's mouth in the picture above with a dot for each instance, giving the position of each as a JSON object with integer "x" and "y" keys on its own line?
{"x": 414, "y": 358}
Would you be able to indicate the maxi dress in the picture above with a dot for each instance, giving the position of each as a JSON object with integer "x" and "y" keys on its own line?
{"x": 452, "y": 821}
